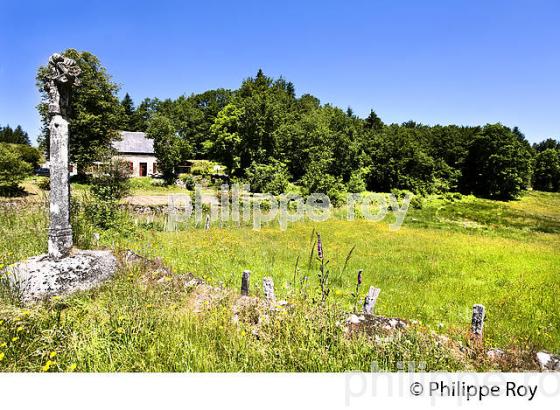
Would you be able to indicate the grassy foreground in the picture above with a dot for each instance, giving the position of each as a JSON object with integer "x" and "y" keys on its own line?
{"x": 447, "y": 256}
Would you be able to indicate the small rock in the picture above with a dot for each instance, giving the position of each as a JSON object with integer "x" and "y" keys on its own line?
{"x": 132, "y": 257}
{"x": 548, "y": 361}
{"x": 353, "y": 319}
{"x": 495, "y": 354}
{"x": 194, "y": 282}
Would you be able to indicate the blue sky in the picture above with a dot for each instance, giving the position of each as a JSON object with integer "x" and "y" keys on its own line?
{"x": 463, "y": 62}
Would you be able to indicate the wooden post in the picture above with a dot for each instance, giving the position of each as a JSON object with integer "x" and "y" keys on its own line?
{"x": 477, "y": 323}
{"x": 370, "y": 300}
{"x": 245, "y": 282}
{"x": 268, "y": 287}
{"x": 207, "y": 226}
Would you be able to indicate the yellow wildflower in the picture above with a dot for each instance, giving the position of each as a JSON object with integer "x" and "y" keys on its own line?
{"x": 19, "y": 329}
{"x": 243, "y": 333}
{"x": 15, "y": 339}
{"x": 120, "y": 330}
{"x": 48, "y": 365}
{"x": 2, "y": 356}
{"x": 53, "y": 354}
{"x": 3, "y": 344}
{"x": 72, "y": 367}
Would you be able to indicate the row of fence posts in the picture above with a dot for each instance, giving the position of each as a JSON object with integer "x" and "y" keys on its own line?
{"x": 478, "y": 312}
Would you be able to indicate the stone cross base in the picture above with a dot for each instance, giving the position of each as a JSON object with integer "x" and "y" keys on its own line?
{"x": 41, "y": 277}
{"x": 60, "y": 242}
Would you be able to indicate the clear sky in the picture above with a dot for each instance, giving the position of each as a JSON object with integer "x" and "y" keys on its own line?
{"x": 464, "y": 62}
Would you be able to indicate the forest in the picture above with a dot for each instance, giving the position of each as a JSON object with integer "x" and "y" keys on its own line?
{"x": 265, "y": 134}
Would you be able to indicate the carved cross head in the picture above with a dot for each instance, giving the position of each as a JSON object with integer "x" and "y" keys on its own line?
{"x": 63, "y": 70}
{"x": 62, "y": 74}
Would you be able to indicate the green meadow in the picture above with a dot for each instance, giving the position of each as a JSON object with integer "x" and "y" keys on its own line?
{"x": 448, "y": 255}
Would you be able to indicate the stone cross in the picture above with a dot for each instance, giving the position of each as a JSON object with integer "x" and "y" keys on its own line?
{"x": 371, "y": 300}
{"x": 62, "y": 74}
{"x": 268, "y": 287}
{"x": 245, "y": 282}
{"x": 477, "y": 324}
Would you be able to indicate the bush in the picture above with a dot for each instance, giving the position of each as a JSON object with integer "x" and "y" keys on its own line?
{"x": 112, "y": 182}
{"x": 107, "y": 188}
{"x": 44, "y": 183}
{"x": 268, "y": 178}
{"x": 202, "y": 167}
{"x": 316, "y": 181}
{"x": 13, "y": 169}
{"x": 28, "y": 154}
{"x": 188, "y": 180}
{"x": 357, "y": 182}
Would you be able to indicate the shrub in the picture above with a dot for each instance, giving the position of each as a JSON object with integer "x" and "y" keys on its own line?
{"x": 28, "y": 154}
{"x": 316, "y": 181}
{"x": 188, "y": 180}
{"x": 112, "y": 182}
{"x": 13, "y": 169}
{"x": 44, "y": 183}
{"x": 202, "y": 167}
{"x": 357, "y": 182}
{"x": 107, "y": 187}
{"x": 268, "y": 178}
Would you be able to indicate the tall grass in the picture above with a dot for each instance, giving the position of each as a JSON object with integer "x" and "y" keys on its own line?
{"x": 447, "y": 256}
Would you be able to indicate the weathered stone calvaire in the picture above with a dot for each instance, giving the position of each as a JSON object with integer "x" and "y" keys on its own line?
{"x": 64, "y": 269}
{"x": 61, "y": 77}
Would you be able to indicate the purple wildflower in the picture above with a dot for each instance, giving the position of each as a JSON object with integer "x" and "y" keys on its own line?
{"x": 360, "y": 277}
{"x": 319, "y": 246}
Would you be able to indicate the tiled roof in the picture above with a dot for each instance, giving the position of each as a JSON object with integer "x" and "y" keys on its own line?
{"x": 134, "y": 143}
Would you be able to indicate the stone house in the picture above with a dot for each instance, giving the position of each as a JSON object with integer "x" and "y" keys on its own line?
{"x": 138, "y": 151}
{"x": 133, "y": 147}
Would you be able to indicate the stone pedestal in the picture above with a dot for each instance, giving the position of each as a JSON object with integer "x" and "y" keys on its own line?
{"x": 41, "y": 277}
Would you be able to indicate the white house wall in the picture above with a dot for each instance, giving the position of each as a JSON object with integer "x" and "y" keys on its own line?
{"x": 136, "y": 159}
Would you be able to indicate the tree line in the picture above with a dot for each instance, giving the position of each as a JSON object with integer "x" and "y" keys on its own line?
{"x": 267, "y": 135}
{"x": 9, "y": 135}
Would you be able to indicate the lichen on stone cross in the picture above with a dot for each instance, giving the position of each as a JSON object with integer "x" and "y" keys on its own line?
{"x": 62, "y": 75}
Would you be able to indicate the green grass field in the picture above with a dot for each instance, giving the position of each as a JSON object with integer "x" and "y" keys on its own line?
{"x": 432, "y": 274}
{"x": 447, "y": 256}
